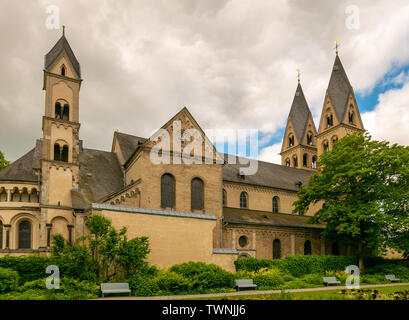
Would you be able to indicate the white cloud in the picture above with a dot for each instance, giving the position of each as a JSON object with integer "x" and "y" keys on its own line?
{"x": 271, "y": 154}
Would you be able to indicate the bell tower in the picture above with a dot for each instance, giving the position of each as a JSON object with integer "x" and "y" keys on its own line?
{"x": 60, "y": 151}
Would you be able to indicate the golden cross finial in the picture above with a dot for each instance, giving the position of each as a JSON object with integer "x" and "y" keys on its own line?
{"x": 299, "y": 74}
{"x": 336, "y": 46}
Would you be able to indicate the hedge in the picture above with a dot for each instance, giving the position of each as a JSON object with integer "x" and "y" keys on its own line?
{"x": 29, "y": 268}
{"x": 8, "y": 280}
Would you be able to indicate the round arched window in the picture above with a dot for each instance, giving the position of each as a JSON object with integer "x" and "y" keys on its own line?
{"x": 243, "y": 241}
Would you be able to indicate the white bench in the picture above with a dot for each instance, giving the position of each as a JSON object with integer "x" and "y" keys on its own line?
{"x": 245, "y": 283}
{"x": 115, "y": 288}
{"x": 392, "y": 278}
{"x": 330, "y": 280}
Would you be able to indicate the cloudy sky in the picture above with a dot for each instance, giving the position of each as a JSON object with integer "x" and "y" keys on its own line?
{"x": 231, "y": 62}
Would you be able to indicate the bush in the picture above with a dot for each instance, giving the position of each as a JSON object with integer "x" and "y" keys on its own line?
{"x": 172, "y": 283}
{"x": 373, "y": 279}
{"x": 314, "y": 279}
{"x": 204, "y": 276}
{"x": 29, "y": 268}
{"x": 268, "y": 278}
{"x": 384, "y": 269}
{"x": 253, "y": 264}
{"x": 297, "y": 284}
{"x": 8, "y": 280}
{"x": 143, "y": 284}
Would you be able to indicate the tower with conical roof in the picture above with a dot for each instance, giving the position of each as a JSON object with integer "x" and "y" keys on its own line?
{"x": 340, "y": 114}
{"x": 60, "y": 143}
{"x": 299, "y": 143}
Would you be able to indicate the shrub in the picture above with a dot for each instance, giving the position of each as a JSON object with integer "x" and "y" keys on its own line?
{"x": 314, "y": 279}
{"x": 204, "y": 276}
{"x": 268, "y": 278}
{"x": 384, "y": 269}
{"x": 143, "y": 285}
{"x": 253, "y": 264}
{"x": 172, "y": 283}
{"x": 297, "y": 284}
{"x": 373, "y": 279}
{"x": 8, "y": 280}
{"x": 29, "y": 268}
{"x": 288, "y": 277}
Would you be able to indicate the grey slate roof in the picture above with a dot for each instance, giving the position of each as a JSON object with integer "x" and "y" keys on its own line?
{"x": 61, "y": 46}
{"x": 253, "y": 217}
{"x": 22, "y": 169}
{"x": 128, "y": 144}
{"x": 339, "y": 89}
{"x": 299, "y": 113}
{"x": 100, "y": 174}
{"x": 268, "y": 175}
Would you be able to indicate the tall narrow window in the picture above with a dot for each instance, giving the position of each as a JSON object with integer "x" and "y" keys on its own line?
{"x": 291, "y": 141}
{"x": 276, "y": 249}
{"x": 243, "y": 200}
{"x": 196, "y": 194}
{"x": 304, "y": 160}
{"x": 57, "y": 152}
{"x": 351, "y": 117}
{"x": 58, "y": 111}
{"x": 309, "y": 139}
{"x": 330, "y": 120}
{"x": 326, "y": 146}
{"x": 3, "y": 195}
{"x": 314, "y": 162}
{"x": 224, "y": 198}
{"x": 295, "y": 161}
{"x": 287, "y": 162}
{"x": 167, "y": 191}
{"x": 307, "y": 247}
{"x": 24, "y": 235}
{"x": 276, "y": 203}
{"x": 64, "y": 154}
{"x": 1, "y": 235}
{"x": 66, "y": 112}
{"x": 63, "y": 71}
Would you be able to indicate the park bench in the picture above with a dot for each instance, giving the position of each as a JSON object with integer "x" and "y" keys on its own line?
{"x": 245, "y": 283}
{"x": 330, "y": 280}
{"x": 115, "y": 288}
{"x": 391, "y": 278}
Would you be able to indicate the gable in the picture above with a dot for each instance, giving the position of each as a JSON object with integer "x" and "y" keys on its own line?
{"x": 327, "y": 109}
{"x": 352, "y": 107}
{"x": 289, "y": 130}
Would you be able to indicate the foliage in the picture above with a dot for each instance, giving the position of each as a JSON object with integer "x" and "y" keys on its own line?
{"x": 169, "y": 282}
{"x": 204, "y": 276}
{"x": 364, "y": 185}
{"x": 314, "y": 279}
{"x": 253, "y": 264}
{"x": 268, "y": 279}
{"x": 29, "y": 268}
{"x": 8, "y": 280}
{"x": 3, "y": 162}
{"x": 373, "y": 279}
{"x": 297, "y": 284}
{"x": 384, "y": 269}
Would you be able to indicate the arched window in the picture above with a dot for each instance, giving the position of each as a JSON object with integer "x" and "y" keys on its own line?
{"x": 291, "y": 141}
{"x": 15, "y": 195}
{"x": 1, "y": 235}
{"x": 287, "y": 162}
{"x": 58, "y": 110}
{"x": 57, "y": 152}
{"x": 330, "y": 120}
{"x": 307, "y": 247}
{"x": 3, "y": 195}
{"x": 276, "y": 249}
{"x": 224, "y": 198}
{"x": 314, "y": 162}
{"x": 335, "y": 249}
{"x": 305, "y": 160}
{"x": 243, "y": 241}
{"x": 243, "y": 200}
{"x": 334, "y": 139}
{"x": 63, "y": 70}
{"x": 276, "y": 204}
{"x": 309, "y": 139}
{"x": 66, "y": 112}
{"x": 34, "y": 196}
{"x": 64, "y": 154}
{"x": 167, "y": 191}
{"x": 325, "y": 145}
{"x": 196, "y": 194}
{"x": 24, "y": 235}
{"x": 351, "y": 116}
{"x": 25, "y": 196}
{"x": 295, "y": 161}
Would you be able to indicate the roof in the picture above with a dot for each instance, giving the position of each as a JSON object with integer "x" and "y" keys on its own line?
{"x": 264, "y": 218}
{"x": 299, "y": 113}
{"x": 22, "y": 169}
{"x": 100, "y": 174}
{"x": 269, "y": 175}
{"x": 339, "y": 89}
{"x": 61, "y": 46}
{"x": 128, "y": 144}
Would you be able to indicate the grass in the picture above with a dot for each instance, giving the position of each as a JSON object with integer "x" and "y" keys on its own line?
{"x": 310, "y": 295}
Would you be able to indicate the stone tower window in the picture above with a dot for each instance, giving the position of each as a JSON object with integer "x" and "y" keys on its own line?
{"x": 276, "y": 204}
{"x": 305, "y": 160}
{"x": 291, "y": 141}
{"x": 243, "y": 241}
{"x": 63, "y": 70}
{"x": 330, "y": 120}
{"x": 314, "y": 162}
{"x": 276, "y": 249}
{"x": 197, "y": 194}
{"x": 295, "y": 161}
{"x": 326, "y": 146}
{"x": 167, "y": 191}
{"x": 307, "y": 248}
{"x": 3, "y": 195}
{"x": 351, "y": 117}
{"x": 287, "y": 162}
{"x": 66, "y": 112}
{"x": 24, "y": 235}
{"x": 60, "y": 154}
{"x": 243, "y": 200}
{"x": 58, "y": 111}
{"x": 309, "y": 139}
{"x": 62, "y": 112}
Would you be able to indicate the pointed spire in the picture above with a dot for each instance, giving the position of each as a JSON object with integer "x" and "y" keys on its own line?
{"x": 336, "y": 46}
{"x": 339, "y": 89}
{"x": 299, "y": 113}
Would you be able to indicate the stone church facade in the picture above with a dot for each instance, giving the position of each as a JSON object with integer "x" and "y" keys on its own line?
{"x": 205, "y": 211}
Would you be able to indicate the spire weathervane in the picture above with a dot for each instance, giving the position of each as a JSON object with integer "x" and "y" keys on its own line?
{"x": 336, "y": 46}
{"x": 298, "y": 77}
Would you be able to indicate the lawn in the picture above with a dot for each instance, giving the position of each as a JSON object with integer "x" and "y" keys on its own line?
{"x": 383, "y": 293}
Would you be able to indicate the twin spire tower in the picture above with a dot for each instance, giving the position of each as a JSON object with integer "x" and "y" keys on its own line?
{"x": 302, "y": 143}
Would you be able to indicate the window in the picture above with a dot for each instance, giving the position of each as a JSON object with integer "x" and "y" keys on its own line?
{"x": 3, "y": 195}
{"x": 66, "y": 112}
{"x": 167, "y": 191}
{"x": 243, "y": 200}
{"x": 1, "y": 235}
{"x": 276, "y": 202}
{"x": 287, "y": 162}
{"x": 224, "y": 198}
{"x": 291, "y": 141}
{"x": 64, "y": 154}
{"x": 314, "y": 162}
{"x": 295, "y": 162}
{"x": 243, "y": 241}
{"x": 335, "y": 249}
{"x": 25, "y": 196}
{"x": 15, "y": 195}
{"x": 63, "y": 70}
{"x": 330, "y": 120}
{"x": 58, "y": 110}
{"x": 334, "y": 139}
{"x": 196, "y": 194}
{"x": 34, "y": 196}
{"x": 24, "y": 235}
{"x": 307, "y": 248}
{"x": 326, "y": 146}
{"x": 305, "y": 160}
{"x": 351, "y": 116}
{"x": 309, "y": 139}
{"x": 276, "y": 249}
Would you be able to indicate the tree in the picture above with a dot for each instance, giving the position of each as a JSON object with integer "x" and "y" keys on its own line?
{"x": 364, "y": 187}
{"x": 106, "y": 252}
{"x": 3, "y": 162}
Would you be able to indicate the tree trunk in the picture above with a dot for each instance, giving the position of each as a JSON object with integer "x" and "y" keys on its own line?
{"x": 361, "y": 259}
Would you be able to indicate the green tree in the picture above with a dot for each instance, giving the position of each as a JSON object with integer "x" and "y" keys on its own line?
{"x": 3, "y": 162}
{"x": 364, "y": 187}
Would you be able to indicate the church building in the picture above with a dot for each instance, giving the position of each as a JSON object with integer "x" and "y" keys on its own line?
{"x": 206, "y": 211}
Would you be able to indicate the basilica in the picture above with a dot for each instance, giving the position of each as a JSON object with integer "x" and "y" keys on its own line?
{"x": 207, "y": 211}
